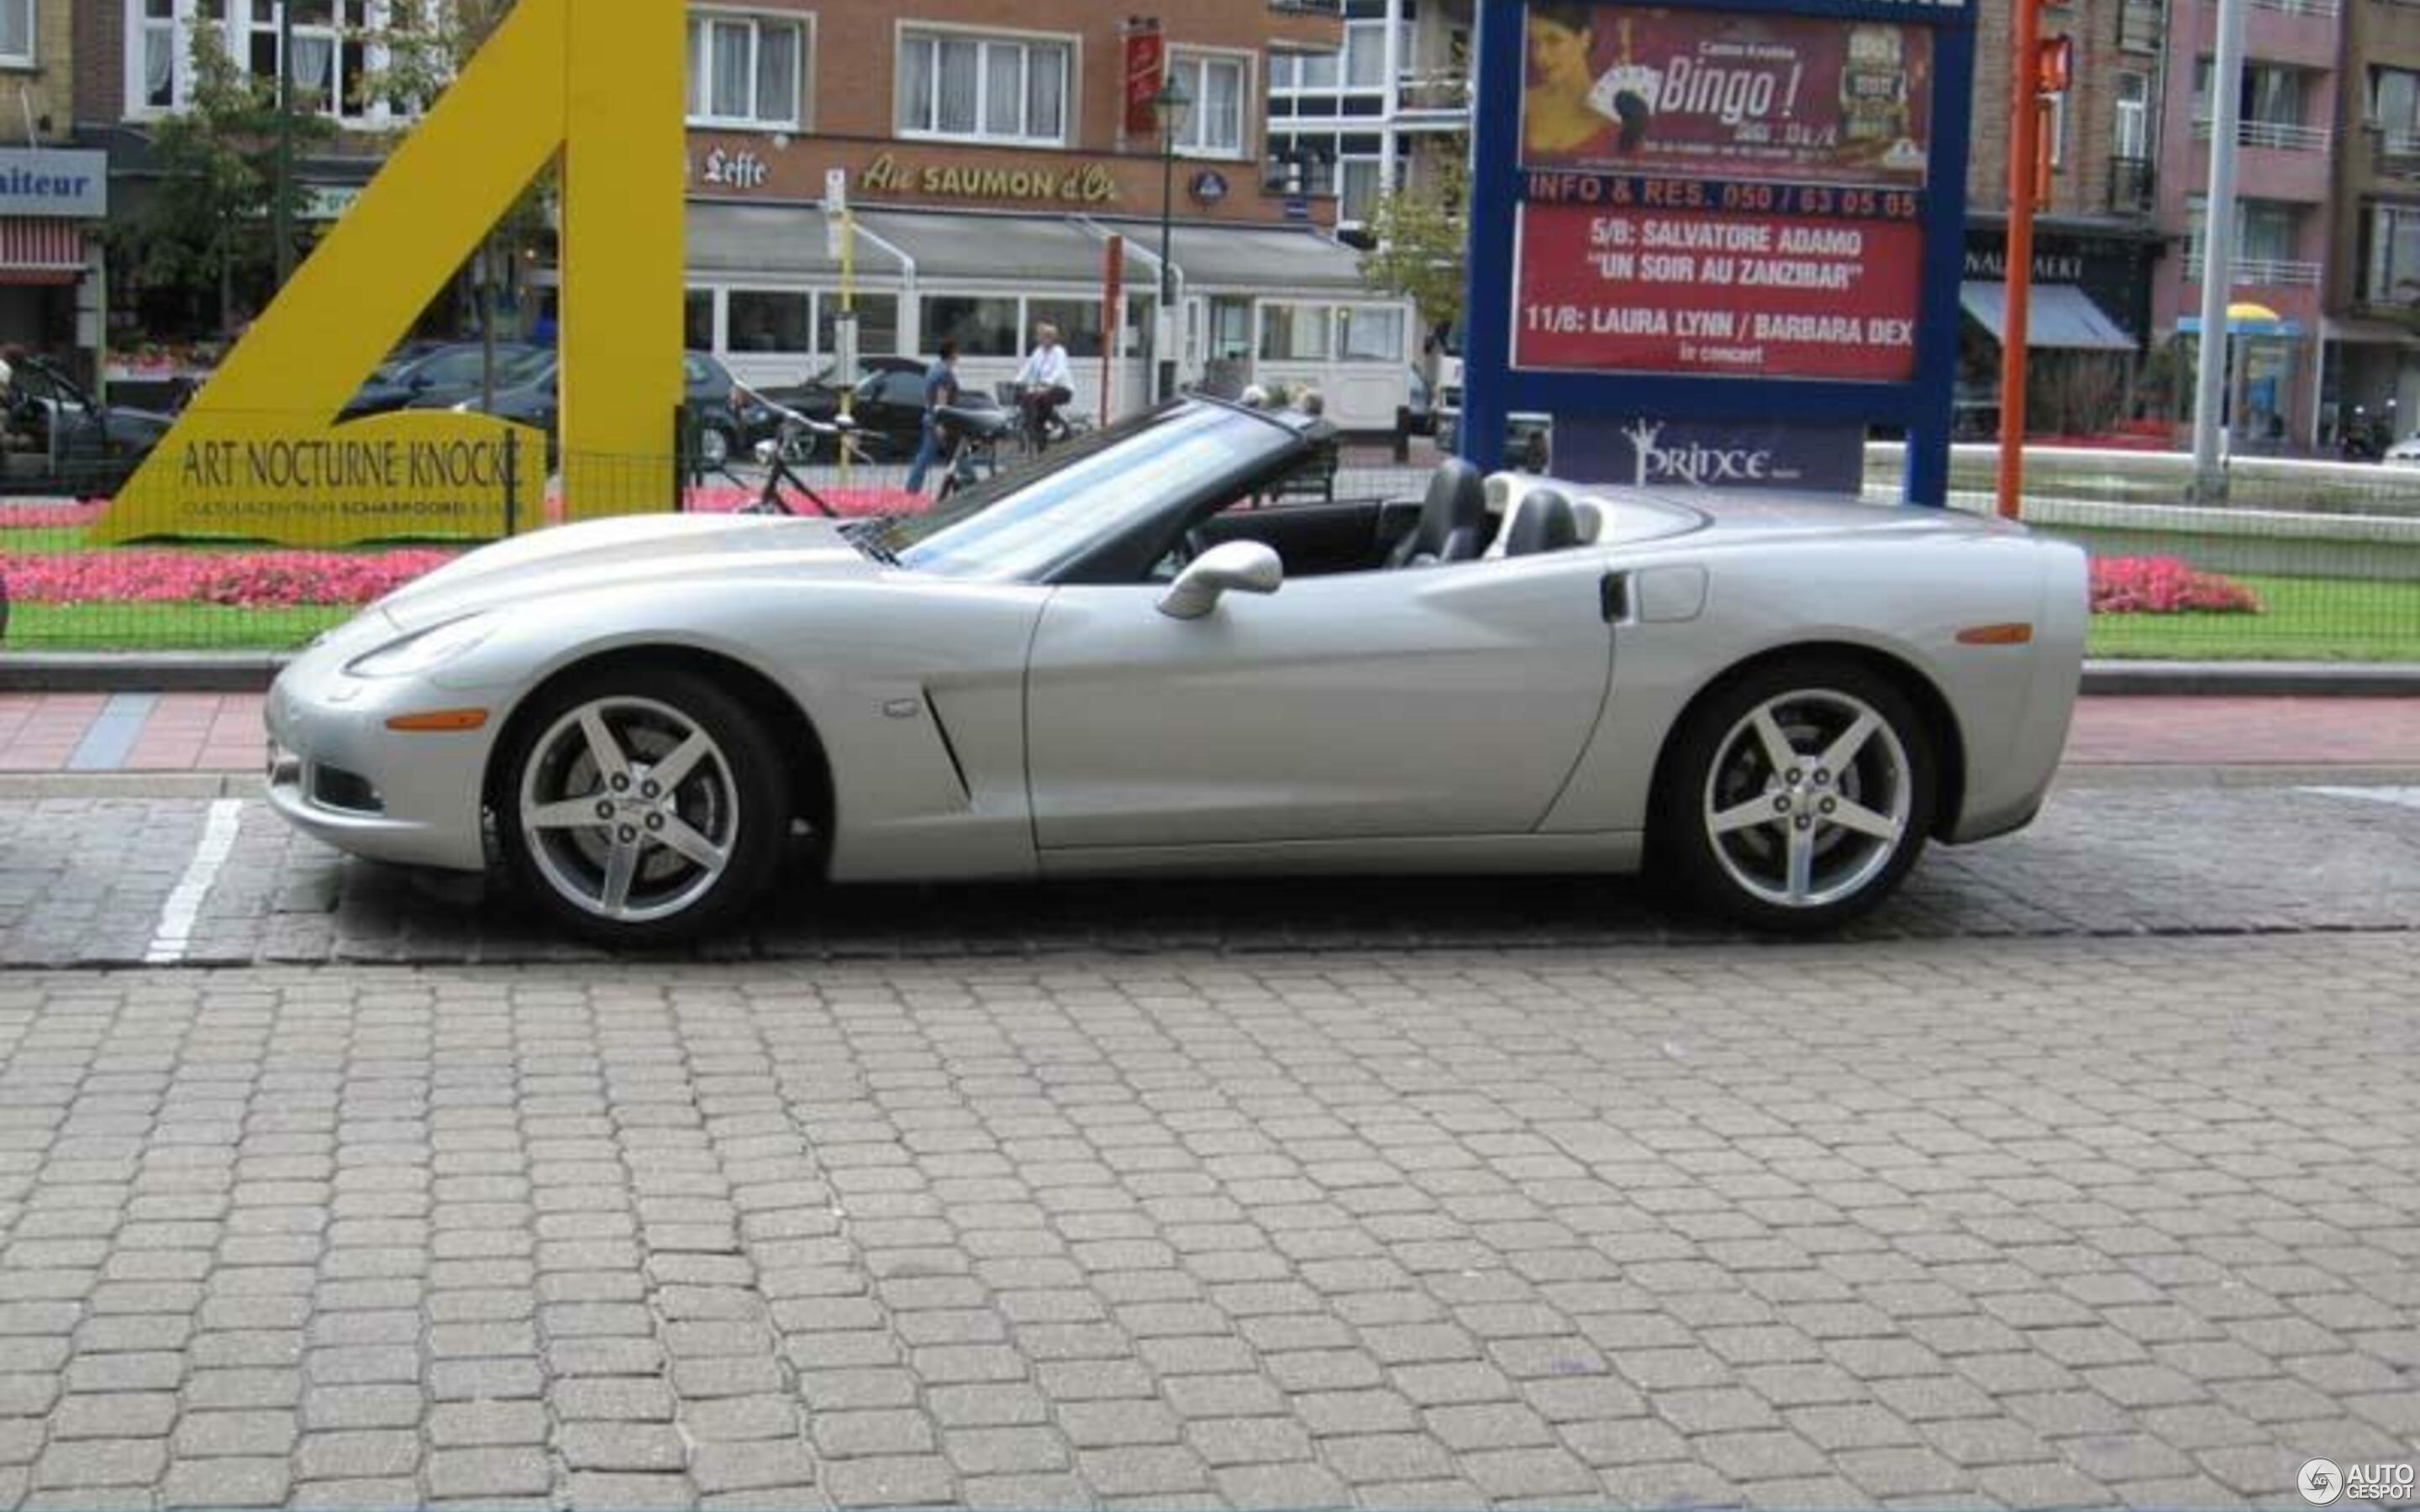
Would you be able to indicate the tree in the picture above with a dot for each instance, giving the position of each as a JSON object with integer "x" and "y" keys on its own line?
{"x": 1421, "y": 239}
{"x": 208, "y": 225}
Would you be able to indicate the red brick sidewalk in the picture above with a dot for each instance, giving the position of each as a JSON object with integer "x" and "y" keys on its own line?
{"x": 221, "y": 733}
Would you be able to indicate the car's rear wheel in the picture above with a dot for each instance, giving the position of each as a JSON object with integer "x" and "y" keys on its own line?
{"x": 1797, "y": 796}
{"x": 642, "y": 805}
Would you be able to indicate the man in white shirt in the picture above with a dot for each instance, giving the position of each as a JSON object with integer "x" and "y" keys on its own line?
{"x": 1044, "y": 378}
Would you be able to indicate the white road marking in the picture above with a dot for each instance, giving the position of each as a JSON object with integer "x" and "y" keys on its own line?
{"x": 175, "y": 931}
{"x": 2405, "y": 797}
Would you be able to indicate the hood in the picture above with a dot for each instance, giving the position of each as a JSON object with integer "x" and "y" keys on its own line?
{"x": 657, "y": 551}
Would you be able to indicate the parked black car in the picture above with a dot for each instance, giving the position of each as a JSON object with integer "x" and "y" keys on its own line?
{"x": 57, "y": 439}
{"x": 716, "y": 404}
{"x": 445, "y": 376}
{"x": 888, "y": 404}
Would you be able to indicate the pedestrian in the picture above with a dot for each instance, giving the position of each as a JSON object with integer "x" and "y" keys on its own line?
{"x": 940, "y": 389}
{"x": 1043, "y": 381}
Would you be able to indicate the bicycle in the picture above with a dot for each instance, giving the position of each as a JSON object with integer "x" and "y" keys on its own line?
{"x": 793, "y": 445}
{"x": 971, "y": 439}
{"x": 1035, "y": 435}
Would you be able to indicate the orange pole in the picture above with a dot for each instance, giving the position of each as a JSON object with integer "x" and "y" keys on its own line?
{"x": 2025, "y": 147}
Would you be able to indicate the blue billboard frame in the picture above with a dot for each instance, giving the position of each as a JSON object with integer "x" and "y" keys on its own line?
{"x": 1493, "y": 389}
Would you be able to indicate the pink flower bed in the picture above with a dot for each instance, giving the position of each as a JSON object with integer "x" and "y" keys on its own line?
{"x": 260, "y": 580}
{"x": 25, "y": 517}
{"x": 2165, "y": 585}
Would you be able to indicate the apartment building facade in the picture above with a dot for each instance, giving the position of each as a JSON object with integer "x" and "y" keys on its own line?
{"x": 2287, "y": 98}
{"x": 2097, "y": 246}
{"x": 2370, "y": 388}
{"x": 54, "y": 197}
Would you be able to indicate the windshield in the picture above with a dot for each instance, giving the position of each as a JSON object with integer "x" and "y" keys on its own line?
{"x": 1019, "y": 525}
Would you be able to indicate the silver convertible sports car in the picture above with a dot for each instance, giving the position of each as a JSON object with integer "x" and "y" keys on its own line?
{"x": 1122, "y": 662}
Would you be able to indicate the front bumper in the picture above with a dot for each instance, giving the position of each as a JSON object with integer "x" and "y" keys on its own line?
{"x": 339, "y": 775}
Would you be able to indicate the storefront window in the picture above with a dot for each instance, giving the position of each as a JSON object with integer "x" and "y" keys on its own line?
{"x": 877, "y": 325}
{"x": 697, "y": 320}
{"x": 1374, "y": 334}
{"x": 768, "y": 320}
{"x": 982, "y": 327}
{"x": 1078, "y": 322}
{"x": 1296, "y": 332}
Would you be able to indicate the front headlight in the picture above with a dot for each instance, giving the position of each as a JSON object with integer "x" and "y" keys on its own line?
{"x": 424, "y": 651}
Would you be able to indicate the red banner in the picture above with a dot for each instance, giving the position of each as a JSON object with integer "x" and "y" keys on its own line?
{"x": 1640, "y": 89}
{"x": 1650, "y": 290}
{"x": 1146, "y": 54}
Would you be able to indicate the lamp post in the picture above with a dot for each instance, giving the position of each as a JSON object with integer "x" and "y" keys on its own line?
{"x": 1173, "y": 104}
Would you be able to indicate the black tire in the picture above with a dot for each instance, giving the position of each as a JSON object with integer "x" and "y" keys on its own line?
{"x": 742, "y": 800}
{"x": 1718, "y": 765}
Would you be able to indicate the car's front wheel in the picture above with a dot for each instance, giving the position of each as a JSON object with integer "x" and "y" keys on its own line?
{"x": 1797, "y": 796}
{"x": 642, "y": 805}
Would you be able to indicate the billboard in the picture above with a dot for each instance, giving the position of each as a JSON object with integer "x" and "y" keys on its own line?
{"x": 1740, "y": 95}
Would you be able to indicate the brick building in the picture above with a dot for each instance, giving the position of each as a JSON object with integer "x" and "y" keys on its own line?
{"x": 2096, "y": 243}
{"x": 2372, "y": 381}
{"x": 52, "y": 197}
{"x": 989, "y": 164}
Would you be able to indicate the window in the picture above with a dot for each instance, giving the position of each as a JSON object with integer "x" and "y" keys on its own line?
{"x": 17, "y": 32}
{"x": 982, "y": 88}
{"x": 1372, "y": 333}
{"x": 982, "y": 327}
{"x": 1078, "y": 322}
{"x": 877, "y": 325}
{"x": 2390, "y": 272}
{"x": 1358, "y": 185}
{"x": 2133, "y": 116}
{"x": 2054, "y": 130}
{"x": 1220, "y": 87}
{"x": 697, "y": 320}
{"x": 335, "y": 56}
{"x": 1311, "y": 72}
{"x": 770, "y": 321}
{"x": 745, "y": 71}
{"x": 2394, "y": 100}
{"x": 2265, "y": 233}
{"x": 1365, "y": 55}
{"x": 2271, "y": 95}
{"x": 1296, "y": 332}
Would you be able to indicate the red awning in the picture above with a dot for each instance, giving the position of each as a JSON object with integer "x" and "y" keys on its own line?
{"x": 41, "y": 252}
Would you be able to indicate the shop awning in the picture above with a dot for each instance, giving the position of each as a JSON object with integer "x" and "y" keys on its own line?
{"x": 38, "y": 250}
{"x": 2061, "y": 318}
{"x": 1248, "y": 259}
{"x": 1009, "y": 248}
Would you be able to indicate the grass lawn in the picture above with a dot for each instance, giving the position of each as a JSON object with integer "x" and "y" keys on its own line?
{"x": 165, "y": 626}
{"x": 47, "y": 539}
{"x": 2308, "y": 619}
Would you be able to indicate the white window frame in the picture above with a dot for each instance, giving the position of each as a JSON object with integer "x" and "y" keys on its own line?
{"x": 1344, "y": 163}
{"x": 1288, "y": 80}
{"x": 31, "y": 55}
{"x": 1371, "y": 27}
{"x": 1199, "y": 59}
{"x": 2130, "y": 118}
{"x": 1347, "y": 314}
{"x": 701, "y": 76}
{"x": 1069, "y": 104}
{"x": 237, "y": 28}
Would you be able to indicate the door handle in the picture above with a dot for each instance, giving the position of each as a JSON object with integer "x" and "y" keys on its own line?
{"x": 1613, "y": 597}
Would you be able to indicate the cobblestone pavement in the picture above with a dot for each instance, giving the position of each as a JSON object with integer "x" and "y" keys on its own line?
{"x": 87, "y": 880}
{"x": 2029, "y": 1223}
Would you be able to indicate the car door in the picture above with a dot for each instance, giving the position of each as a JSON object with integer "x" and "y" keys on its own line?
{"x": 1445, "y": 701}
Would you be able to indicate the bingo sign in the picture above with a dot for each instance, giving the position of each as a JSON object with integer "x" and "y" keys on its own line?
{"x": 1748, "y": 195}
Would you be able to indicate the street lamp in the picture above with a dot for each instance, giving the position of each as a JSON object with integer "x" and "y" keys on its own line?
{"x": 1172, "y": 105}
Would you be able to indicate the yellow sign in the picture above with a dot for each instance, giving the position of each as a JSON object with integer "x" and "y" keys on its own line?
{"x": 1092, "y": 184}
{"x": 418, "y": 473}
{"x": 603, "y": 84}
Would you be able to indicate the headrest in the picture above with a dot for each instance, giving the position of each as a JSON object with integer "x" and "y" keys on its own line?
{"x": 1543, "y": 522}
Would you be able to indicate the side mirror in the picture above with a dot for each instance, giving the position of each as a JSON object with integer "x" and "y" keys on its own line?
{"x": 1239, "y": 566}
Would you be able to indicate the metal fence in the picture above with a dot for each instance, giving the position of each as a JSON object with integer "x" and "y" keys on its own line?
{"x": 2302, "y": 559}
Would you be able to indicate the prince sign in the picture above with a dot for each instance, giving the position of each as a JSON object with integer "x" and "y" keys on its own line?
{"x": 1724, "y": 213}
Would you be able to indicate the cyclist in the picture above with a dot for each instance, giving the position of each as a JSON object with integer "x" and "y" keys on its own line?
{"x": 940, "y": 388}
{"x": 1044, "y": 378}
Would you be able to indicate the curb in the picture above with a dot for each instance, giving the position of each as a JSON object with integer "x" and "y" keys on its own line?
{"x": 252, "y": 672}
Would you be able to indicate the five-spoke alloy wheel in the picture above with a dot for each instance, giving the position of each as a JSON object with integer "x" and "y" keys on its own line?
{"x": 642, "y": 806}
{"x": 1797, "y": 796}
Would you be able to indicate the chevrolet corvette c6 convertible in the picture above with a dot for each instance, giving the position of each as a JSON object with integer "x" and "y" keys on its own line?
{"x": 1123, "y": 662}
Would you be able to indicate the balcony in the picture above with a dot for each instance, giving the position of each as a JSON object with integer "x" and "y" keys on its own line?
{"x": 2143, "y": 26}
{"x": 2276, "y": 136}
{"x": 2131, "y": 182}
{"x": 2265, "y": 273}
{"x": 2395, "y": 154}
{"x": 1434, "y": 92}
